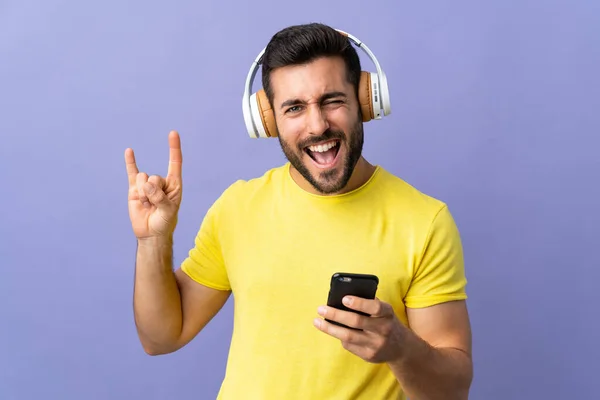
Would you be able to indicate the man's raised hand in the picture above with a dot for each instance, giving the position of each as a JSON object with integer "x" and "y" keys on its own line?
{"x": 154, "y": 201}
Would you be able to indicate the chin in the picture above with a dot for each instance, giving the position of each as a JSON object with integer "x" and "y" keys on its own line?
{"x": 327, "y": 171}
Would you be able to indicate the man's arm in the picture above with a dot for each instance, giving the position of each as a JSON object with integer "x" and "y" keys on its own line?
{"x": 436, "y": 359}
{"x": 170, "y": 308}
{"x": 431, "y": 359}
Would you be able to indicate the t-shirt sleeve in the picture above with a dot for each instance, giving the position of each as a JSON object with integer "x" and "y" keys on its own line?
{"x": 439, "y": 274}
{"x": 205, "y": 263}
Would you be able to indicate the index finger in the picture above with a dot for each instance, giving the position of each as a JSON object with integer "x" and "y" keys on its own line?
{"x": 131, "y": 166}
{"x": 375, "y": 308}
{"x": 175, "y": 156}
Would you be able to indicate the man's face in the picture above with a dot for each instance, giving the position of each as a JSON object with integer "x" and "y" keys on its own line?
{"x": 317, "y": 115}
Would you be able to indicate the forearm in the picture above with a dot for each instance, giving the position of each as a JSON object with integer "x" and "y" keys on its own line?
{"x": 429, "y": 373}
{"x": 157, "y": 300}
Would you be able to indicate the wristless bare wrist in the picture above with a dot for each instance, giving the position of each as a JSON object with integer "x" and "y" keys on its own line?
{"x": 156, "y": 241}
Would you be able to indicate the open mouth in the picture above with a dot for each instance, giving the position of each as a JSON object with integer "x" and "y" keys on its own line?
{"x": 324, "y": 154}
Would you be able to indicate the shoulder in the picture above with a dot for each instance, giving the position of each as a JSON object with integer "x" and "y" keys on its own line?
{"x": 404, "y": 196}
{"x": 423, "y": 215}
{"x": 242, "y": 192}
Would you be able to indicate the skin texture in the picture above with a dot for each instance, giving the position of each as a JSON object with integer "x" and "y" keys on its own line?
{"x": 431, "y": 358}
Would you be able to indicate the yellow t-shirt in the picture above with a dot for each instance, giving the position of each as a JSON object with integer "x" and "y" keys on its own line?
{"x": 276, "y": 246}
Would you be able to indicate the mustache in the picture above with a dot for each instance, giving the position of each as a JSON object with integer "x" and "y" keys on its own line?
{"x": 327, "y": 135}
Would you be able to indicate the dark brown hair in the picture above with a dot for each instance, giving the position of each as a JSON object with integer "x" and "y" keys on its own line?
{"x": 301, "y": 44}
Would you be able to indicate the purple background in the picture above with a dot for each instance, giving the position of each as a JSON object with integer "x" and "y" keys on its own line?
{"x": 495, "y": 110}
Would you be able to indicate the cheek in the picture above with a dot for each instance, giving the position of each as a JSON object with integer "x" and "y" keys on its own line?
{"x": 290, "y": 130}
{"x": 288, "y": 139}
{"x": 292, "y": 126}
{"x": 341, "y": 119}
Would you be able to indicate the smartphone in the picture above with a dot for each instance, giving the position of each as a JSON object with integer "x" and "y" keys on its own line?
{"x": 345, "y": 283}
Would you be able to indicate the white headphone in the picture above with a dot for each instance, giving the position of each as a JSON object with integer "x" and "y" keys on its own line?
{"x": 373, "y": 95}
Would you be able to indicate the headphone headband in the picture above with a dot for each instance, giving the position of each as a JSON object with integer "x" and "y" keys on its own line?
{"x": 259, "y": 118}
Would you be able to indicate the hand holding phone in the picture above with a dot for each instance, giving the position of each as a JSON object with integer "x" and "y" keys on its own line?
{"x": 382, "y": 337}
{"x": 345, "y": 284}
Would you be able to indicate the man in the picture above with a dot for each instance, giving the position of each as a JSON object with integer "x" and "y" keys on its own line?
{"x": 275, "y": 241}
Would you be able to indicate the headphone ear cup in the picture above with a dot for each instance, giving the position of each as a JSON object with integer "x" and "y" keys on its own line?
{"x": 267, "y": 116}
{"x": 365, "y": 96}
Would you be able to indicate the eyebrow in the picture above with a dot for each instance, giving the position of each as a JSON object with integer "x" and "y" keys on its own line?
{"x": 326, "y": 96}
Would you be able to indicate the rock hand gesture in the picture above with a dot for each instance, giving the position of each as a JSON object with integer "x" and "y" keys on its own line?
{"x": 154, "y": 201}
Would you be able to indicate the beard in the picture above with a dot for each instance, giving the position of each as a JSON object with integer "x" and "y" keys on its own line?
{"x": 335, "y": 179}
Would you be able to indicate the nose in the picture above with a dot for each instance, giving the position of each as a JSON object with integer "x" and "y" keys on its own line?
{"x": 316, "y": 120}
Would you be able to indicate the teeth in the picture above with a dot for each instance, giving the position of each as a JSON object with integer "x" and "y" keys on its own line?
{"x": 322, "y": 147}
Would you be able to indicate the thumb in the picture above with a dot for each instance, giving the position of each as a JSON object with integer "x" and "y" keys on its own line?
{"x": 155, "y": 195}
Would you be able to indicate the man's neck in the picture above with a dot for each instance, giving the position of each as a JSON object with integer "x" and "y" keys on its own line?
{"x": 361, "y": 174}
